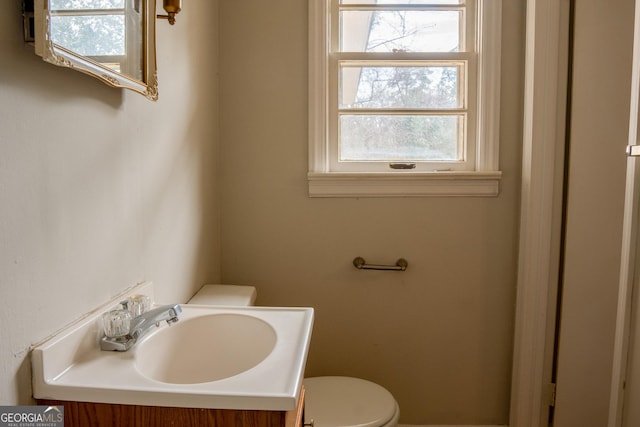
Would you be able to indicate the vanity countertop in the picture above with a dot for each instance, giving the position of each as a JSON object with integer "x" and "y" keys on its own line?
{"x": 71, "y": 366}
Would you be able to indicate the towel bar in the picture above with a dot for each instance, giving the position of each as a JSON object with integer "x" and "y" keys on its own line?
{"x": 361, "y": 264}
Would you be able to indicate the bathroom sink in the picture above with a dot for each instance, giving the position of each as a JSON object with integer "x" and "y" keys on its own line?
{"x": 218, "y": 357}
{"x": 205, "y": 348}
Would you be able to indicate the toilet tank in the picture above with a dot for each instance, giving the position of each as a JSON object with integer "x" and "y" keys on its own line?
{"x": 228, "y": 295}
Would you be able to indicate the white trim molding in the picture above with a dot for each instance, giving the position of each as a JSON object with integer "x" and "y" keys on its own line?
{"x": 489, "y": 61}
{"x": 546, "y": 66}
{"x": 442, "y": 184}
{"x": 627, "y": 287}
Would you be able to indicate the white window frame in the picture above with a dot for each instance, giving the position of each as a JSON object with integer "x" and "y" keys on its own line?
{"x": 485, "y": 177}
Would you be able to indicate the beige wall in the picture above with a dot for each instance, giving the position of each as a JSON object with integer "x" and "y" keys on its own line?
{"x": 599, "y": 129}
{"x": 101, "y": 188}
{"x": 438, "y": 336}
{"x": 129, "y": 193}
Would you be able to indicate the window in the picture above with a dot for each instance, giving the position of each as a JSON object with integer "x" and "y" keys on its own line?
{"x": 404, "y": 97}
{"x": 99, "y": 30}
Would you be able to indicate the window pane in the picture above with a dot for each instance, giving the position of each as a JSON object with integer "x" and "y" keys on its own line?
{"x": 432, "y": 87}
{"x": 401, "y": 137}
{"x": 90, "y": 35}
{"x": 400, "y": 31}
{"x": 85, "y": 4}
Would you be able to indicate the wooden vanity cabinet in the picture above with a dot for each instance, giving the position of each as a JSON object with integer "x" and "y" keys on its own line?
{"x": 84, "y": 414}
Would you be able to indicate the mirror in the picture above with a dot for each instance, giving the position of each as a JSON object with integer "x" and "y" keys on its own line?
{"x": 111, "y": 40}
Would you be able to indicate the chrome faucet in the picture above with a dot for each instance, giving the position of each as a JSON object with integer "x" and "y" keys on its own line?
{"x": 139, "y": 327}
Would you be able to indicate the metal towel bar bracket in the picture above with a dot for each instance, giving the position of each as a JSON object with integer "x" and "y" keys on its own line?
{"x": 361, "y": 264}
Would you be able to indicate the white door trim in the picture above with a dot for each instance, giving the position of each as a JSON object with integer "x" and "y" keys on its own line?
{"x": 546, "y": 59}
{"x": 626, "y": 288}
{"x": 629, "y": 261}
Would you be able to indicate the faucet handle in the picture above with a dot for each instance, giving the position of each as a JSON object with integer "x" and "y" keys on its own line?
{"x": 139, "y": 304}
{"x": 125, "y": 304}
{"x": 116, "y": 323}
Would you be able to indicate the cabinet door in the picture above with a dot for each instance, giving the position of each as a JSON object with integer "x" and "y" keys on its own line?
{"x": 82, "y": 414}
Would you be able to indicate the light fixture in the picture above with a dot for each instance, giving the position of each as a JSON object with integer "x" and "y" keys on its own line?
{"x": 172, "y": 7}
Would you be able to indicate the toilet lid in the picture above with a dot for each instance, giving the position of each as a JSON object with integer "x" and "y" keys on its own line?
{"x": 345, "y": 401}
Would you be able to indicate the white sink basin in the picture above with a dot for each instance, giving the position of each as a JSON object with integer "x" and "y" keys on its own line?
{"x": 205, "y": 349}
{"x": 213, "y": 357}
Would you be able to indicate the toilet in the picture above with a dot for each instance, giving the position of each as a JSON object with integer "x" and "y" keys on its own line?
{"x": 347, "y": 402}
{"x": 330, "y": 401}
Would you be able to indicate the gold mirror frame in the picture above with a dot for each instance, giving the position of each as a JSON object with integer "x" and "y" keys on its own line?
{"x": 62, "y": 57}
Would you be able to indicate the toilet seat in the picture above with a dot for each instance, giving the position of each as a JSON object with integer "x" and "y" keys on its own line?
{"x": 346, "y": 402}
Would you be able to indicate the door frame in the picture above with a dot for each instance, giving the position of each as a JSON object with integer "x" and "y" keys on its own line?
{"x": 628, "y": 283}
{"x": 544, "y": 130}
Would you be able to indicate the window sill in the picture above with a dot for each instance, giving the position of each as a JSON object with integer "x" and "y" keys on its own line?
{"x": 404, "y": 184}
